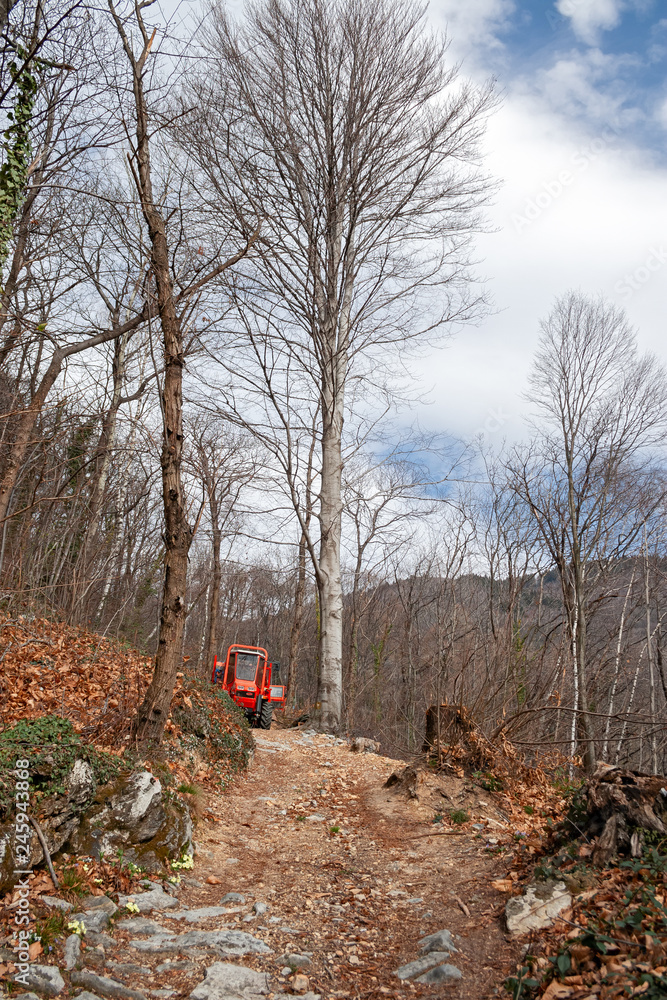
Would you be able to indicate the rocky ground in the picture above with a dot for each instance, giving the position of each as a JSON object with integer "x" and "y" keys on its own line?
{"x": 311, "y": 878}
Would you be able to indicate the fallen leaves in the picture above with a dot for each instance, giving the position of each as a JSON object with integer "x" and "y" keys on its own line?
{"x": 503, "y": 884}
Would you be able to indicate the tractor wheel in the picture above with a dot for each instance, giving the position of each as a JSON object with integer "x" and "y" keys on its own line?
{"x": 265, "y": 715}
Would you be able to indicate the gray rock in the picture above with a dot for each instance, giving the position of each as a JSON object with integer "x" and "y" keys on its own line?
{"x": 260, "y": 908}
{"x": 72, "y": 951}
{"x": 130, "y": 815}
{"x": 94, "y": 958}
{"x": 129, "y": 969}
{"x": 295, "y": 961}
{"x": 194, "y": 883}
{"x": 441, "y": 974}
{"x": 285, "y": 971}
{"x": 56, "y": 904}
{"x": 225, "y": 981}
{"x": 138, "y": 806}
{"x": 162, "y": 993}
{"x": 440, "y": 941}
{"x": 155, "y": 899}
{"x": 311, "y": 996}
{"x": 142, "y": 925}
{"x": 160, "y": 944}
{"x": 249, "y": 917}
{"x": 232, "y": 897}
{"x": 87, "y": 995}
{"x": 93, "y": 920}
{"x": 195, "y": 916}
{"x": 420, "y": 965}
{"x": 26, "y": 996}
{"x": 539, "y": 906}
{"x": 100, "y": 939}
{"x": 226, "y": 943}
{"x": 105, "y": 987}
{"x": 415, "y": 899}
{"x": 46, "y": 979}
{"x": 80, "y": 783}
{"x": 90, "y": 903}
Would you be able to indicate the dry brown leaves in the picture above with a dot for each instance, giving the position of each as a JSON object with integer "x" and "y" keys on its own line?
{"x": 49, "y": 668}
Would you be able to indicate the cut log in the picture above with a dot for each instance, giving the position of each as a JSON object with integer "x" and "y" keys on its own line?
{"x": 620, "y": 807}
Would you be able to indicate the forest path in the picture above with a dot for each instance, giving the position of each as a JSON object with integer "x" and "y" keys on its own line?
{"x": 357, "y": 900}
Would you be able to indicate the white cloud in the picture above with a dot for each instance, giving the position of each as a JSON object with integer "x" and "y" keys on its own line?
{"x": 474, "y": 26}
{"x": 589, "y": 85}
{"x": 591, "y": 17}
{"x": 602, "y": 231}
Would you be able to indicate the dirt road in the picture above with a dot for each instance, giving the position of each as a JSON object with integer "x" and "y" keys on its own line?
{"x": 353, "y": 874}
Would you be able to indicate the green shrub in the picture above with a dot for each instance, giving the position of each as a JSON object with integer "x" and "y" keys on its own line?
{"x": 459, "y": 816}
{"x": 51, "y": 745}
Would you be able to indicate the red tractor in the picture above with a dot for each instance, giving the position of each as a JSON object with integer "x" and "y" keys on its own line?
{"x": 252, "y": 682}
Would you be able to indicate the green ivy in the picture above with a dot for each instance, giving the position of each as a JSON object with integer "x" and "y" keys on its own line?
{"x": 17, "y": 149}
{"x": 52, "y": 746}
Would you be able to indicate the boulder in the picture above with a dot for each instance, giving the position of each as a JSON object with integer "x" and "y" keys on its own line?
{"x": 420, "y": 965}
{"x": 92, "y": 920}
{"x": 201, "y": 913}
{"x": 440, "y": 974}
{"x": 54, "y": 903}
{"x": 226, "y": 943}
{"x": 155, "y": 899}
{"x": 105, "y": 987}
{"x": 46, "y": 979}
{"x": 130, "y": 814}
{"x": 440, "y": 941}
{"x": 89, "y": 903}
{"x": 72, "y": 951}
{"x": 59, "y": 816}
{"x": 295, "y": 961}
{"x": 225, "y": 981}
{"x": 539, "y": 906}
{"x": 141, "y": 925}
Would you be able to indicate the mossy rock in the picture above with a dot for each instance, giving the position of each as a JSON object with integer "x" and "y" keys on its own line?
{"x": 130, "y": 816}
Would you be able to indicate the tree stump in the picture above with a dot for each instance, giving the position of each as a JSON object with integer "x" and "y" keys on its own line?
{"x": 455, "y": 728}
{"x": 620, "y": 807}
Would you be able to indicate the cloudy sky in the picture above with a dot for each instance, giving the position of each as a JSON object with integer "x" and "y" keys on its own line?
{"x": 580, "y": 145}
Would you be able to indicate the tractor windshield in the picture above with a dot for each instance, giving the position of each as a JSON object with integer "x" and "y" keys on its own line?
{"x": 275, "y": 673}
{"x": 246, "y": 666}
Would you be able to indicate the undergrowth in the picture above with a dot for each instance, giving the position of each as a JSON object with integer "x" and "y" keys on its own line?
{"x": 51, "y": 745}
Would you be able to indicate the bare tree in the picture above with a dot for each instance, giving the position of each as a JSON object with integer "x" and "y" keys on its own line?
{"x": 223, "y": 463}
{"x": 589, "y": 478}
{"x": 152, "y": 714}
{"x": 342, "y": 127}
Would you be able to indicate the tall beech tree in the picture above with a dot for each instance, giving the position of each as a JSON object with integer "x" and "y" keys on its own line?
{"x": 340, "y": 124}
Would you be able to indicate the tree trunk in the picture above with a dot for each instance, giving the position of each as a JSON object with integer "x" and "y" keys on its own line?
{"x": 214, "y": 589}
{"x": 330, "y": 587}
{"x": 297, "y": 621}
{"x": 150, "y": 720}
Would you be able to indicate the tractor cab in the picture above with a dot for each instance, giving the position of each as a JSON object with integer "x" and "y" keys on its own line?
{"x": 252, "y": 681}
